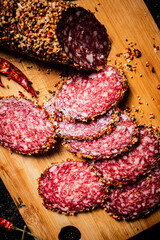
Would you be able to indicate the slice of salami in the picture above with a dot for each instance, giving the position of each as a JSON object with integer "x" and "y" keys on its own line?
{"x": 88, "y": 130}
{"x": 87, "y": 95}
{"x": 137, "y": 200}
{"x": 25, "y": 127}
{"x": 82, "y": 130}
{"x": 129, "y": 167}
{"x": 70, "y": 187}
{"x": 109, "y": 145}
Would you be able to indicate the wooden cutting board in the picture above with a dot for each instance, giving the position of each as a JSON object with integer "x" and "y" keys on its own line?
{"x": 124, "y": 20}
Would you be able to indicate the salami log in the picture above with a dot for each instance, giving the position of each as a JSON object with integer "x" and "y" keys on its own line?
{"x": 108, "y": 145}
{"x": 132, "y": 165}
{"x": 25, "y": 127}
{"x": 58, "y": 31}
{"x": 70, "y": 187}
{"x": 137, "y": 200}
{"x": 83, "y": 130}
{"x": 87, "y": 95}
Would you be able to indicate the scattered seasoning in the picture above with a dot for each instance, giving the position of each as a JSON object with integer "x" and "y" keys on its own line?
{"x": 50, "y": 91}
{"x": 158, "y": 86}
{"x": 152, "y": 98}
{"x": 29, "y": 67}
{"x": 5, "y": 224}
{"x": 147, "y": 64}
{"x": 153, "y": 70}
{"x": 151, "y": 116}
{"x": 49, "y": 70}
{"x": 140, "y": 75}
{"x": 37, "y": 92}
{"x": 137, "y": 53}
{"x": 21, "y": 94}
{"x": 96, "y": 9}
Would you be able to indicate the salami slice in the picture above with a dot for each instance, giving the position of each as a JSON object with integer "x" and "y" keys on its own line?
{"x": 132, "y": 165}
{"x": 58, "y": 31}
{"x": 136, "y": 200}
{"x": 25, "y": 127}
{"x": 70, "y": 187}
{"x": 87, "y": 95}
{"x": 88, "y": 130}
{"x": 82, "y": 130}
{"x": 107, "y": 146}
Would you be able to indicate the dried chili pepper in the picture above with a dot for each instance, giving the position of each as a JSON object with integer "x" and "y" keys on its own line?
{"x": 9, "y": 226}
{"x": 9, "y": 70}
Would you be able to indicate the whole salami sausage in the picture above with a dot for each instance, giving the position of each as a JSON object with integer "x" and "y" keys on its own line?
{"x": 134, "y": 164}
{"x": 108, "y": 145}
{"x": 137, "y": 200}
{"x": 52, "y": 30}
{"x": 25, "y": 127}
{"x": 70, "y": 187}
{"x": 87, "y": 95}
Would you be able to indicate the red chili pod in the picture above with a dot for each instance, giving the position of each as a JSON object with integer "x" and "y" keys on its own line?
{"x": 9, "y": 70}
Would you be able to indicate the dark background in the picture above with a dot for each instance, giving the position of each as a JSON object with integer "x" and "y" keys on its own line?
{"x": 9, "y": 211}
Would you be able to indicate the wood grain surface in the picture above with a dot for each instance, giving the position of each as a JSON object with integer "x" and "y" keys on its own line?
{"x": 124, "y": 20}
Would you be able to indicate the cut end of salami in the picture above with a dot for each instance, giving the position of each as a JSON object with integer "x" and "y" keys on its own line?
{"x": 71, "y": 187}
{"x": 137, "y": 200}
{"x": 129, "y": 167}
{"x": 120, "y": 140}
{"x": 87, "y": 95}
{"x": 25, "y": 127}
{"x": 83, "y": 38}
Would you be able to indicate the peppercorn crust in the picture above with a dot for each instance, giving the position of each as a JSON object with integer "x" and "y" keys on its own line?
{"x": 135, "y": 138}
{"x": 49, "y": 144}
{"x": 30, "y": 27}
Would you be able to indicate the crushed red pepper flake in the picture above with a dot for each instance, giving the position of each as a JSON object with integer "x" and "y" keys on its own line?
{"x": 158, "y": 86}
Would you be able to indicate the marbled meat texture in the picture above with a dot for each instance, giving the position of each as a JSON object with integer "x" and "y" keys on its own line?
{"x": 70, "y": 187}
{"x": 57, "y": 31}
{"x": 137, "y": 200}
{"x": 25, "y": 127}
{"x": 87, "y": 95}
{"x": 108, "y": 145}
{"x": 83, "y": 130}
{"x": 129, "y": 167}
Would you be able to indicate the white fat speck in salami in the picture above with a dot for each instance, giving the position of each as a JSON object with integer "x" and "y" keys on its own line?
{"x": 87, "y": 95}
{"x": 132, "y": 165}
{"x": 49, "y": 106}
{"x": 135, "y": 200}
{"x": 25, "y": 127}
{"x": 70, "y": 187}
{"x": 88, "y": 130}
{"x": 108, "y": 145}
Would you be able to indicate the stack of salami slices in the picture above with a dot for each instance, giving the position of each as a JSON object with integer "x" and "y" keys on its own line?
{"x": 122, "y": 154}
